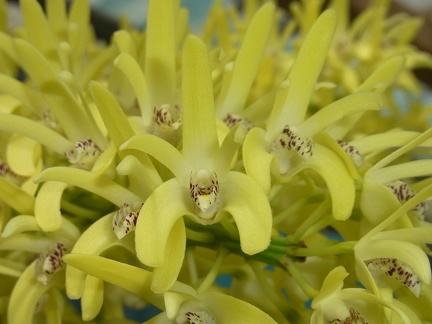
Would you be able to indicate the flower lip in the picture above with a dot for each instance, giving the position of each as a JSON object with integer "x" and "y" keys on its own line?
{"x": 49, "y": 263}
{"x": 198, "y": 317}
{"x": 84, "y": 153}
{"x": 203, "y": 189}
{"x": 124, "y": 220}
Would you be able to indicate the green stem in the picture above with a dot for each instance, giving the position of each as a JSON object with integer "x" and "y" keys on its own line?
{"x": 190, "y": 258}
{"x": 335, "y": 249}
{"x": 313, "y": 197}
{"x": 269, "y": 290}
{"x": 310, "y": 221}
{"x": 212, "y": 274}
{"x": 300, "y": 279}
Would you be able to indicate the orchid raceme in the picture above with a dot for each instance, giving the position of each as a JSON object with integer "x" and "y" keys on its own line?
{"x": 274, "y": 169}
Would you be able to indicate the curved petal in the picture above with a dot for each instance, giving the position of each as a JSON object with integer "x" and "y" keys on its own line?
{"x": 257, "y": 160}
{"x": 243, "y": 198}
{"x": 130, "y": 278}
{"x": 19, "y": 224}
{"x": 112, "y": 114}
{"x": 23, "y": 155}
{"x": 89, "y": 181}
{"x": 47, "y": 205}
{"x": 132, "y": 71}
{"x": 98, "y": 238}
{"x": 162, "y": 151}
{"x": 165, "y": 275}
{"x": 160, "y": 212}
{"x": 337, "y": 178}
{"x": 25, "y": 295}
{"x": 228, "y": 309}
{"x": 92, "y": 298}
{"x": 15, "y": 197}
{"x": 200, "y": 140}
{"x": 406, "y": 252}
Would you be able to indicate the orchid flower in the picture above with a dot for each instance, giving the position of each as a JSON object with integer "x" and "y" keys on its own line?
{"x": 203, "y": 188}
{"x": 287, "y": 147}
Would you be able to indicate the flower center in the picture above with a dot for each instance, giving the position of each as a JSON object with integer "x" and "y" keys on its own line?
{"x": 203, "y": 188}
{"x": 398, "y": 270}
{"x": 84, "y": 154}
{"x": 354, "y": 317}
{"x": 198, "y": 317}
{"x": 166, "y": 120}
{"x": 49, "y": 263}
{"x": 353, "y": 153}
{"x": 289, "y": 139}
{"x": 232, "y": 120}
{"x": 404, "y": 193}
{"x": 124, "y": 220}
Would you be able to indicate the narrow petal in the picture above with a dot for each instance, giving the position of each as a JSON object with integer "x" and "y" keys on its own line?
{"x": 112, "y": 114}
{"x": 160, "y": 52}
{"x": 36, "y": 131}
{"x": 384, "y": 75}
{"x": 416, "y": 235}
{"x": 247, "y": 61}
{"x": 243, "y": 198}
{"x": 162, "y": 151}
{"x": 124, "y": 42}
{"x": 200, "y": 140}
{"x": 15, "y": 197}
{"x": 130, "y": 278}
{"x": 132, "y": 71}
{"x": 161, "y": 211}
{"x": 227, "y": 309}
{"x": 411, "y": 169}
{"x": 98, "y": 238}
{"x": 61, "y": 100}
{"x": 256, "y": 158}
{"x": 165, "y": 275}
{"x": 335, "y": 111}
{"x": 100, "y": 186}
{"x": 306, "y": 69}
{"x": 47, "y": 205}
{"x": 37, "y": 28}
{"x": 19, "y": 224}
{"x": 56, "y": 16}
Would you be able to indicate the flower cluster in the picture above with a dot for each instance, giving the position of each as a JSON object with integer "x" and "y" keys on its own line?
{"x": 264, "y": 171}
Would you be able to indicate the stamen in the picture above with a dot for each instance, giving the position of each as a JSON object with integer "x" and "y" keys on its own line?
{"x": 353, "y": 153}
{"x": 203, "y": 188}
{"x": 404, "y": 193}
{"x": 398, "y": 270}
{"x": 84, "y": 154}
{"x": 8, "y": 173}
{"x": 354, "y": 318}
{"x": 124, "y": 220}
{"x": 198, "y": 317}
{"x": 289, "y": 140}
{"x": 232, "y": 120}
{"x": 166, "y": 120}
{"x": 49, "y": 263}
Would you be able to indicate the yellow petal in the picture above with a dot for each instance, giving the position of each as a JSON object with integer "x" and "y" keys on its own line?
{"x": 130, "y": 278}
{"x": 92, "y": 298}
{"x": 247, "y": 61}
{"x": 165, "y": 275}
{"x": 161, "y": 211}
{"x": 160, "y": 59}
{"x": 101, "y": 186}
{"x": 200, "y": 140}
{"x": 98, "y": 238}
{"x": 23, "y": 155}
{"x": 242, "y": 197}
{"x": 15, "y": 197}
{"x": 47, "y": 205}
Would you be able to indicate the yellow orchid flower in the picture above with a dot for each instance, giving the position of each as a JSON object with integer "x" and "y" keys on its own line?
{"x": 203, "y": 187}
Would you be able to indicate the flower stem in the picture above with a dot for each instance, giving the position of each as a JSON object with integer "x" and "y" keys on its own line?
{"x": 212, "y": 274}
{"x": 300, "y": 279}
